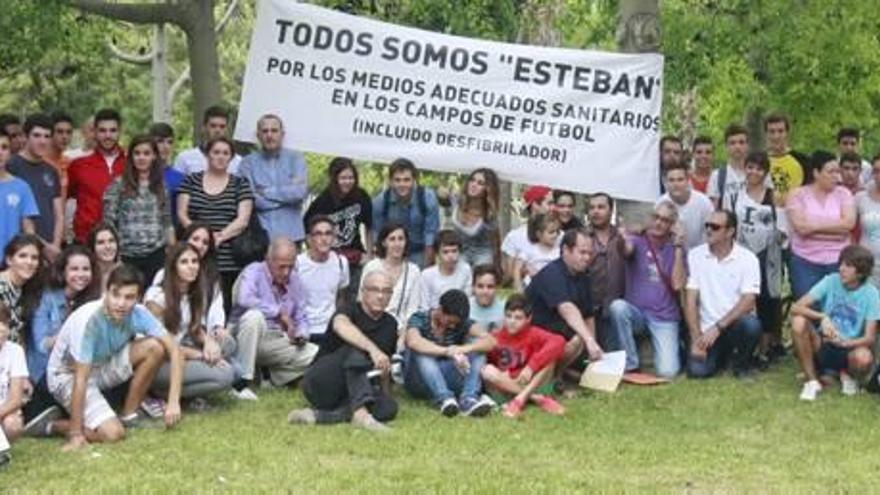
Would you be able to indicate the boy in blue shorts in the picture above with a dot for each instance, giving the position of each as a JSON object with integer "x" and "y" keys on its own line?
{"x": 837, "y": 336}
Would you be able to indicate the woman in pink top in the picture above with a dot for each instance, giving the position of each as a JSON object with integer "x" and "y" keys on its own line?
{"x": 821, "y": 216}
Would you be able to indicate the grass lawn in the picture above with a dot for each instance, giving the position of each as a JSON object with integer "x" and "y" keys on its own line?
{"x": 692, "y": 436}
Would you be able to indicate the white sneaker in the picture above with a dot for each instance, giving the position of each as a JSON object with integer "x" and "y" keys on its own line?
{"x": 244, "y": 394}
{"x": 848, "y": 384}
{"x": 811, "y": 390}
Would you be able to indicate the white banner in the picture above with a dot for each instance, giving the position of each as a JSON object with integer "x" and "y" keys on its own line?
{"x": 580, "y": 120}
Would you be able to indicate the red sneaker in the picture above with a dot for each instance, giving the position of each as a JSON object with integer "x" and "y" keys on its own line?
{"x": 549, "y": 404}
{"x": 514, "y": 408}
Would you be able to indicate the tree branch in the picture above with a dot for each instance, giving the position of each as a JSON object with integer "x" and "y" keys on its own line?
{"x": 137, "y": 13}
{"x": 175, "y": 87}
{"x": 226, "y": 16}
{"x": 130, "y": 57}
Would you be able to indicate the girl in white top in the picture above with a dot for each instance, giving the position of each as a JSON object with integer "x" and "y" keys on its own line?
{"x": 543, "y": 247}
{"x": 198, "y": 324}
{"x": 391, "y": 249}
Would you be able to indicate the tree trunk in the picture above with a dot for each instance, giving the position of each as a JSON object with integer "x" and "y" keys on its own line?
{"x": 638, "y": 31}
{"x": 201, "y": 41}
{"x": 159, "y": 75}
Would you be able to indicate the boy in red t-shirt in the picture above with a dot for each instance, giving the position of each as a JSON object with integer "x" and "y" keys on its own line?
{"x": 523, "y": 359}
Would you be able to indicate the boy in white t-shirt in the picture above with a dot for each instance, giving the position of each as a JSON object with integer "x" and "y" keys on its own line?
{"x": 13, "y": 374}
{"x": 324, "y": 274}
{"x": 449, "y": 273}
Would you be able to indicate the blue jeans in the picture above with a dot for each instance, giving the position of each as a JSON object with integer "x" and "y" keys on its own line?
{"x": 738, "y": 343}
{"x": 627, "y": 321}
{"x": 805, "y": 274}
{"x": 437, "y": 378}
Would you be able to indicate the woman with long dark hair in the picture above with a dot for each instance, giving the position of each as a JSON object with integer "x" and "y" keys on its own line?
{"x": 349, "y": 207}
{"x": 224, "y": 202}
{"x": 104, "y": 243}
{"x": 197, "y": 322}
{"x": 74, "y": 281}
{"x": 137, "y": 205}
{"x": 475, "y": 218}
{"x": 21, "y": 282}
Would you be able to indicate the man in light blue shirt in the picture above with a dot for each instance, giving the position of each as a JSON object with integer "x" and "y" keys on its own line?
{"x": 280, "y": 180}
{"x": 415, "y": 207}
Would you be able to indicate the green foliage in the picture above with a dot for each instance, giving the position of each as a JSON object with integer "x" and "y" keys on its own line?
{"x": 819, "y": 62}
{"x": 693, "y": 436}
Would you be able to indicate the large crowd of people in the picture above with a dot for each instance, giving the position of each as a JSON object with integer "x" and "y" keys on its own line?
{"x": 137, "y": 285}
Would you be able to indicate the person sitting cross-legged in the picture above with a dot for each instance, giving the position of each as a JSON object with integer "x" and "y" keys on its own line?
{"x": 269, "y": 319}
{"x": 349, "y": 379}
{"x": 839, "y": 335}
{"x": 444, "y": 356}
{"x": 724, "y": 282}
{"x": 96, "y": 350}
{"x": 523, "y": 360}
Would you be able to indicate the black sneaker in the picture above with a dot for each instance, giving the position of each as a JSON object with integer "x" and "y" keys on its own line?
{"x": 471, "y": 406}
{"x": 449, "y": 408}
{"x": 39, "y": 426}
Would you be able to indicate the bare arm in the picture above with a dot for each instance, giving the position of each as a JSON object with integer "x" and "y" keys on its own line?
{"x": 417, "y": 343}
{"x": 78, "y": 401}
{"x": 481, "y": 341}
{"x": 237, "y": 226}
{"x": 183, "y": 209}
{"x": 692, "y": 314}
{"x": 744, "y": 306}
{"x": 573, "y": 318}
{"x": 679, "y": 274}
{"x": 15, "y": 397}
{"x": 58, "y": 229}
{"x": 804, "y": 307}
{"x": 866, "y": 340}
{"x": 350, "y": 333}
{"x": 172, "y": 412}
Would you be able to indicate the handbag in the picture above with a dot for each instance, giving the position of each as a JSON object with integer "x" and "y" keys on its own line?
{"x": 251, "y": 245}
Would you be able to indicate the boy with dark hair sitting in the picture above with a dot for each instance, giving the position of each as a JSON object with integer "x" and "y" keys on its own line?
{"x": 839, "y": 335}
{"x": 523, "y": 359}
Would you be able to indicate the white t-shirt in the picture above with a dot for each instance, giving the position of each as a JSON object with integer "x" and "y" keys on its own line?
{"x": 734, "y": 183}
{"x": 12, "y": 365}
{"x": 721, "y": 283}
{"x": 194, "y": 160}
{"x": 435, "y": 284}
{"x": 693, "y": 215}
{"x": 213, "y": 318}
{"x": 515, "y": 241}
{"x": 755, "y": 223}
{"x": 322, "y": 281}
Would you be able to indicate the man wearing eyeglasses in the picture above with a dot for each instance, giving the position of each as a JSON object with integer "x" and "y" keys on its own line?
{"x": 326, "y": 273}
{"x": 655, "y": 275}
{"x": 724, "y": 282}
{"x": 340, "y": 385}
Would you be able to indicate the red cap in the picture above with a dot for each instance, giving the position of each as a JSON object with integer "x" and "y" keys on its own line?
{"x": 535, "y": 194}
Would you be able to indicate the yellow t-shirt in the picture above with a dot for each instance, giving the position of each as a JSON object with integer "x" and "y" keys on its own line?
{"x": 787, "y": 175}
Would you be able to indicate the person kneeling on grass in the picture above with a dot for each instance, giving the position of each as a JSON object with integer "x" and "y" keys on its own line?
{"x": 439, "y": 364}
{"x": 350, "y": 377}
{"x": 13, "y": 376}
{"x": 839, "y": 337}
{"x": 523, "y": 359}
{"x": 96, "y": 350}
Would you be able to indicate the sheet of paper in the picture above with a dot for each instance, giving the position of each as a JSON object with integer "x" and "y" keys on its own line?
{"x": 605, "y": 374}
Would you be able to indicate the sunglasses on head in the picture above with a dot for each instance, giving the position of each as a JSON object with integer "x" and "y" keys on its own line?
{"x": 713, "y": 226}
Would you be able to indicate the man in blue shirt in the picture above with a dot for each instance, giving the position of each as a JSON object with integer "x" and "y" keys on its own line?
{"x": 17, "y": 203}
{"x": 839, "y": 335}
{"x": 163, "y": 134}
{"x": 280, "y": 180}
{"x": 415, "y": 207}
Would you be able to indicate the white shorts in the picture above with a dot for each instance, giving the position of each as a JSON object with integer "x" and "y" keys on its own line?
{"x": 96, "y": 410}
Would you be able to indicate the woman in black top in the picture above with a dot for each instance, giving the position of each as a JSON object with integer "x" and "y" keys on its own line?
{"x": 222, "y": 201}
{"x": 348, "y": 207}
